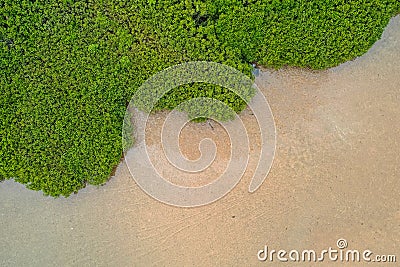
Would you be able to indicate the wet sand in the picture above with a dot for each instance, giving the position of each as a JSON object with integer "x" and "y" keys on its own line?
{"x": 335, "y": 175}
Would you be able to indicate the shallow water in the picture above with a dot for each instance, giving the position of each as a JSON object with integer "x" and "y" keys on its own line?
{"x": 335, "y": 175}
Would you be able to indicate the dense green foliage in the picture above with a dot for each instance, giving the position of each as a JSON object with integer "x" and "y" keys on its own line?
{"x": 315, "y": 34}
{"x": 68, "y": 68}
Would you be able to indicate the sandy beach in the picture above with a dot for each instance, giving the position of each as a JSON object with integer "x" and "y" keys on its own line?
{"x": 335, "y": 176}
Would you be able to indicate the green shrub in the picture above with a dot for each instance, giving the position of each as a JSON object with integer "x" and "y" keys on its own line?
{"x": 68, "y": 68}
{"x": 303, "y": 33}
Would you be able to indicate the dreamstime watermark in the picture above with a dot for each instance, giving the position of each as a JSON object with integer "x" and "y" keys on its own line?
{"x": 152, "y": 90}
{"x": 341, "y": 253}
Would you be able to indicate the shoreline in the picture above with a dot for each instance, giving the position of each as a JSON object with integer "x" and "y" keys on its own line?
{"x": 335, "y": 175}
